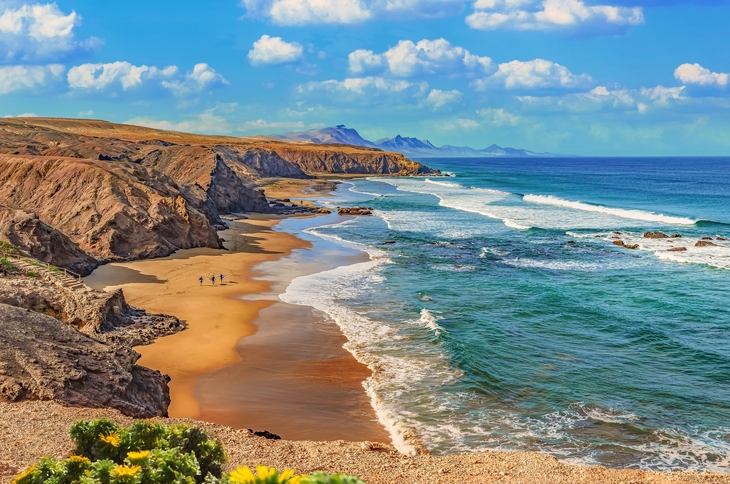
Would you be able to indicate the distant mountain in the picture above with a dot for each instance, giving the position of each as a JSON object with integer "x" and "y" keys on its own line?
{"x": 412, "y": 147}
{"x": 327, "y": 136}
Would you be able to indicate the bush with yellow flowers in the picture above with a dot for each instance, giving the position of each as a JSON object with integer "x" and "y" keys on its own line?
{"x": 144, "y": 453}
{"x": 154, "y": 453}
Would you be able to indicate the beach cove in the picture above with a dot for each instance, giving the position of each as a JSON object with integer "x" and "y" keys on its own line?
{"x": 247, "y": 359}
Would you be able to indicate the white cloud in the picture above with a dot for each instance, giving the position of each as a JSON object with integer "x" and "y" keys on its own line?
{"x": 551, "y": 15}
{"x": 38, "y": 31}
{"x": 423, "y": 57}
{"x": 603, "y": 99}
{"x": 499, "y": 117}
{"x": 458, "y": 123}
{"x": 86, "y": 114}
{"x": 534, "y": 74}
{"x": 698, "y": 75}
{"x": 202, "y": 77}
{"x": 98, "y": 77}
{"x": 363, "y": 86}
{"x": 438, "y": 98}
{"x": 16, "y": 78}
{"x": 207, "y": 122}
{"x": 261, "y": 125}
{"x": 274, "y": 50}
{"x": 306, "y": 12}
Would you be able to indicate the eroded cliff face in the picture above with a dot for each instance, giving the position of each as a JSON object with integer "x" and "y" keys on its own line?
{"x": 124, "y": 192}
{"x": 42, "y": 242}
{"x": 112, "y": 210}
{"x": 41, "y": 358}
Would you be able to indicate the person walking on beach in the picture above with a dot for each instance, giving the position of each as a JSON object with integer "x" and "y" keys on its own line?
{"x": 212, "y": 279}
{"x": 201, "y": 280}
{"x": 222, "y": 277}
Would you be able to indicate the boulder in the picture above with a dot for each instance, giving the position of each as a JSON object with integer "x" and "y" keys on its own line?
{"x": 675, "y": 236}
{"x": 677, "y": 249}
{"x": 706, "y": 243}
{"x": 655, "y": 235}
{"x": 354, "y": 210}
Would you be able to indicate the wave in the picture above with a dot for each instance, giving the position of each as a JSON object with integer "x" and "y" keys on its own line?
{"x": 617, "y": 212}
{"x": 430, "y": 320}
{"x": 443, "y": 184}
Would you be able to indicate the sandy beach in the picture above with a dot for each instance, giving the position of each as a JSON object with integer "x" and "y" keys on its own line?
{"x": 246, "y": 359}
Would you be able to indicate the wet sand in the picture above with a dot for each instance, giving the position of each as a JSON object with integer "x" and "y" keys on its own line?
{"x": 293, "y": 377}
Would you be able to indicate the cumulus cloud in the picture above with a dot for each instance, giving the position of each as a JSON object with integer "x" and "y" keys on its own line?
{"x": 307, "y": 12}
{"x": 362, "y": 86}
{"x": 534, "y": 74}
{"x": 410, "y": 58}
{"x": 696, "y": 74}
{"x": 274, "y": 50}
{"x": 16, "y": 78}
{"x": 499, "y": 117}
{"x": 202, "y": 78}
{"x": 552, "y": 15}
{"x": 98, "y": 77}
{"x": 438, "y": 98}
{"x": 207, "y": 122}
{"x": 261, "y": 125}
{"x": 602, "y": 98}
{"x": 38, "y": 31}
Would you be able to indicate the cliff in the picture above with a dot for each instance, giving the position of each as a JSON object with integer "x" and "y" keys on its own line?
{"x": 126, "y": 192}
{"x": 111, "y": 210}
{"x": 72, "y": 344}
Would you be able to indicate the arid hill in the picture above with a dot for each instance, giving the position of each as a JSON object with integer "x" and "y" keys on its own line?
{"x": 124, "y": 192}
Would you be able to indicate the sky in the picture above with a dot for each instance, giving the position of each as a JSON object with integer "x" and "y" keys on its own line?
{"x": 582, "y": 77}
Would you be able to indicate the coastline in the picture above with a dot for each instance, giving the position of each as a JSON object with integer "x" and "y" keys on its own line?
{"x": 248, "y": 359}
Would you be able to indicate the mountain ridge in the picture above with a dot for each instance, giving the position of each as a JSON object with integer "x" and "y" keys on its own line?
{"x": 408, "y": 146}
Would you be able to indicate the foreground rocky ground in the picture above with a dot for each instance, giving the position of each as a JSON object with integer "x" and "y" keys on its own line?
{"x": 29, "y": 430}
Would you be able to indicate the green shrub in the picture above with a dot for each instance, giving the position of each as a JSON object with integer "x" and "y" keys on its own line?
{"x": 32, "y": 274}
{"x": 144, "y": 453}
{"x": 9, "y": 248}
{"x": 7, "y": 265}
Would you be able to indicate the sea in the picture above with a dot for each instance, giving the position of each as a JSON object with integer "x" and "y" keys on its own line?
{"x": 496, "y": 312}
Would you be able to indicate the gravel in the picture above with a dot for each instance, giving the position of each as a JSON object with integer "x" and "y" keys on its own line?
{"x": 30, "y": 430}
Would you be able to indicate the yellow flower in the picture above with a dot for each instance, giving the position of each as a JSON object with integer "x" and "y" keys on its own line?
{"x": 79, "y": 459}
{"x": 138, "y": 456}
{"x": 242, "y": 475}
{"x": 124, "y": 471}
{"x": 265, "y": 472}
{"x": 112, "y": 438}
{"x": 24, "y": 474}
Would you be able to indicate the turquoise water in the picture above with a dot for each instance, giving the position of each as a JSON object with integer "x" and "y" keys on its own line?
{"x": 500, "y": 315}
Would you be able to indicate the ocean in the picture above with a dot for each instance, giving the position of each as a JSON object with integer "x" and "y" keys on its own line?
{"x": 496, "y": 312}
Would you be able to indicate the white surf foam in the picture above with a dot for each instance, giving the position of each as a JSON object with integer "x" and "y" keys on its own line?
{"x": 430, "y": 320}
{"x": 617, "y": 212}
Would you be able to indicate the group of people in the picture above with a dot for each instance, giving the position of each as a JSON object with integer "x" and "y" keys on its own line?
{"x": 212, "y": 279}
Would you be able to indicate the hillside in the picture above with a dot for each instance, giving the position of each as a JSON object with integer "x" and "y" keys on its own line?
{"x": 122, "y": 192}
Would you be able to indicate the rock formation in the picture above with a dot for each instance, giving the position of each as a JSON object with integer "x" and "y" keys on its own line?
{"x": 354, "y": 210}
{"x": 74, "y": 345}
{"x": 42, "y": 242}
{"x": 677, "y": 249}
{"x": 623, "y": 244}
{"x": 706, "y": 243}
{"x": 42, "y": 358}
{"x": 655, "y": 235}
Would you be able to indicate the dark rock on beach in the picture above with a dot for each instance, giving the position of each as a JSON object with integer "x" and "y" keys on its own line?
{"x": 655, "y": 235}
{"x": 677, "y": 249}
{"x": 706, "y": 243}
{"x": 354, "y": 210}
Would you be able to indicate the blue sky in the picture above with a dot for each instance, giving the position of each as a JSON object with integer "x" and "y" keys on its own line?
{"x": 592, "y": 77}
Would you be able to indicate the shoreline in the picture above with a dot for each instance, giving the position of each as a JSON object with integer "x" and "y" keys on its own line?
{"x": 248, "y": 359}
